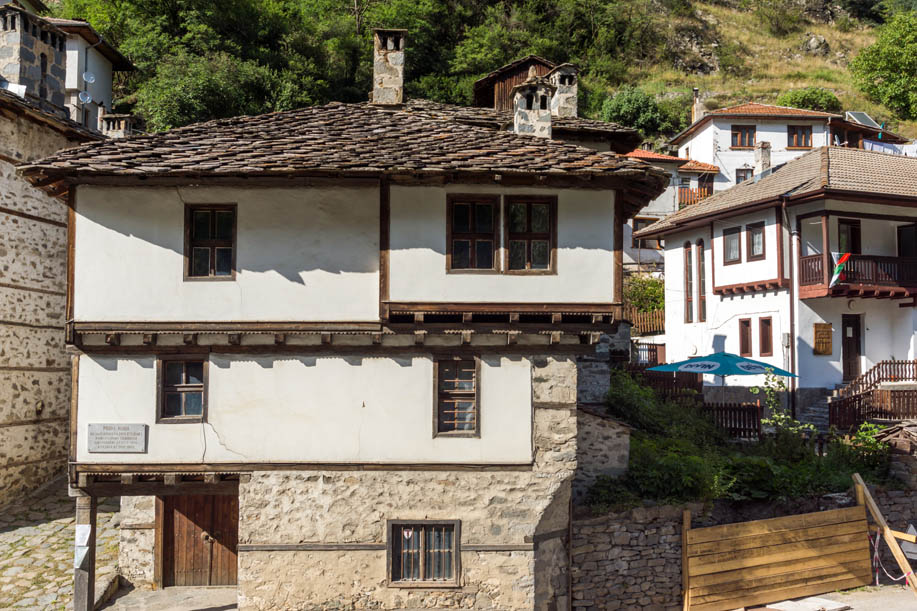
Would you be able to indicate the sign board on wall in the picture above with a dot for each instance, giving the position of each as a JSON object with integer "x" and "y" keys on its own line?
{"x": 822, "y": 339}
{"x": 115, "y": 438}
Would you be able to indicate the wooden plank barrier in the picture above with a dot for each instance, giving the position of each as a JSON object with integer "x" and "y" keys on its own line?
{"x": 765, "y": 561}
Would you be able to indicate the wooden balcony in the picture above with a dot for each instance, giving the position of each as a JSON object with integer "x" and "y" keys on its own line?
{"x": 688, "y": 196}
{"x": 864, "y": 276}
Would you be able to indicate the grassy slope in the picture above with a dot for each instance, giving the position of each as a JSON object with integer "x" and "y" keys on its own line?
{"x": 776, "y": 65}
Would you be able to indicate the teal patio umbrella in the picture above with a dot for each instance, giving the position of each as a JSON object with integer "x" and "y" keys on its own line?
{"x": 723, "y": 364}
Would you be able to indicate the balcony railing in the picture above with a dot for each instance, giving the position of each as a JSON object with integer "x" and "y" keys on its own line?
{"x": 862, "y": 269}
{"x": 688, "y": 196}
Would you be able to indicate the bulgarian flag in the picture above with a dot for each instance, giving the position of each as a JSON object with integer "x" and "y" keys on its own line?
{"x": 840, "y": 263}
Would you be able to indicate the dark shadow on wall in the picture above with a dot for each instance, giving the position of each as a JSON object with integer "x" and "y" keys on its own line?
{"x": 552, "y": 552}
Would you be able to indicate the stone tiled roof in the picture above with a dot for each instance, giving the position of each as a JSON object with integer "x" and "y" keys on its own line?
{"x": 354, "y": 140}
{"x": 65, "y": 125}
{"x": 625, "y": 138}
{"x": 834, "y": 169}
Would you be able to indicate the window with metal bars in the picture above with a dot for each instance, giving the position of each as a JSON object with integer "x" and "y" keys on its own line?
{"x": 456, "y": 397}
{"x": 424, "y": 553}
{"x": 210, "y": 242}
{"x": 182, "y": 390}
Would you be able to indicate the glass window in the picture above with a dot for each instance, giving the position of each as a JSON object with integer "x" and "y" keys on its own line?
{"x": 472, "y": 233}
{"x": 424, "y": 552}
{"x": 754, "y": 239}
{"x": 182, "y": 389}
{"x": 211, "y": 241}
{"x": 531, "y": 226}
{"x": 731, "y": 238}
{"x": 743, "y": 136}
{"x": 457, "y": 397}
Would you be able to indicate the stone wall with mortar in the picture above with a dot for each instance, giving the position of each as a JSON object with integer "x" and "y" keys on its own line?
{"x": 602, "y": 448}
{"x": 34, "y": 369}
{"x": 20, "y": 57}
{"x": 135, "y": 548}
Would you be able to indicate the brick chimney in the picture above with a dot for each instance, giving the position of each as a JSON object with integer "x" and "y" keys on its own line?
{"x": 564, "y": 102}
{"x": 697, "y": 108}
{"x": 762, "y": 157}
{"x": 388, "y": 67}
{"x": 532, "y": 106}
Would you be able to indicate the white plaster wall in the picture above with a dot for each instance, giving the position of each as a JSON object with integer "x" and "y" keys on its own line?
{"x": 418, "y": 250}
{"x": 720, "y": 332}
{"x": 746, "y": 271}
{"x": 329, "y": 409}
{"x": 302, "y": 254}
{"x": 98, "y": 64}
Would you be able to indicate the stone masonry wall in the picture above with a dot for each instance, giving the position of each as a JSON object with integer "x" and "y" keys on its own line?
{"x": 34, "y": 369}
{"x": 20, "y": 58}
{"x": 138, "y": 534}
{"x": 602, "y": 448}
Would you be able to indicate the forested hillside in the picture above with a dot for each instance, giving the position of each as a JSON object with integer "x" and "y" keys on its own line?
{"x": 201, "y": 59}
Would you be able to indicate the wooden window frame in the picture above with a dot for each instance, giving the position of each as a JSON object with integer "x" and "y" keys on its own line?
{"x": 769, "y": 335}
{"x": 477, "y": 198}
{"x": 745, "y": 323}
{"x": 551, "y": 200}
{"x": 160, "y": 389}
{"x": 688, "y": 267}
{"x": 793, "y": 133}
{"x": 455, "y": 582}
{"x": 740, "y": 134}
{"x": 751, "y": 174}
{"x": 737, "y": 231}
{"x": 189, "y": 210}
{"x": 636, "y": 242}
{"x": 749, "y": 228}
{"x": 437, "y": 359}
{"x": 700, "y": 261}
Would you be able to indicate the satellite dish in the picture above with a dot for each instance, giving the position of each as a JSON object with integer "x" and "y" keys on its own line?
{"x": 89, "y": 77}
{"x": 85, "y": 98}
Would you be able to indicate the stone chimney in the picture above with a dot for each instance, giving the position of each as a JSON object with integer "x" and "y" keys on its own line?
{"x": 564, "y": 102}
{"x": 762, "y": 157}
{"x": 32, "y": 58}
{"x": 697, "y": 108}
{"x": 388, "y": 67}
{"x": 532, "y": 106}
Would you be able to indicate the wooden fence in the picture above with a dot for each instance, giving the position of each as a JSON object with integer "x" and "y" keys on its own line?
{"x": 739, "y": 420}
{"x": 877, "y": 404}
{"x": 668, "y": 384}
{"x": 645, "y": 323}
{"x": 650, "y": 354}
{"x": 765, "y": 561}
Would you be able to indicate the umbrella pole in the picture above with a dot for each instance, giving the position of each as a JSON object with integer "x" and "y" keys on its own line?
{"x": 723, "y": 389}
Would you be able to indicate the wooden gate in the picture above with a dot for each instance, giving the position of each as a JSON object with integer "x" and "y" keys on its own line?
{"x": 199, "y": 539}
{"x": 751, "y": 563}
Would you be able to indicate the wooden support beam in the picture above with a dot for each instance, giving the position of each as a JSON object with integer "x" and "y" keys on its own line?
{"x": 890, "y": 540}
{"x": 418, "y": 318}
{"x": 84, "y": 480}
{"x": 171, "y": 479}
{"x": 211, "y": 478}
{"x": 512, "y": 338}
{"x": 190, "y": 339}
{"x": 555, "y": 337}
{"x": 326, "y": 339}
{"x": 280, "y": 339}
{"x": 466, "y": 317}
{"x": 466, "y": 338}
{"x": 128, "y": 479}
{"x": 84, "y": 554}
{"x": 377, "y": 338}
{"x": 235, "y": 339}
{"x": 897, "y": 534}
{"x": 420, "y": 337}
{"x": 149, "y": 339}
{"x": 513, "y": 317}
{"x": 685, "y": 582}
{"x": 113, "y": 339}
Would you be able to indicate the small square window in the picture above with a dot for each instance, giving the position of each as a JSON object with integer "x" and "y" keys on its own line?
{"x": 743, "y": 174}
{"x": 424, "y": 554}
{"x": 182, "y": 390}
{"x": 210, "y": 242}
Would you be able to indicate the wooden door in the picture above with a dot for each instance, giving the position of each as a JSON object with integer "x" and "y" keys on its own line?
{"x": 907, "y": 241}
{"x": 848, "y": 236}
{"x": 850, "y": 345}
{"x": 199, "y": 540}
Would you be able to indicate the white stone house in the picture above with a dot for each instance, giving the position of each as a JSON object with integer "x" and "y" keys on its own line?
{"x": 725, "y": 138}
{"x": 748, "y": 270}
{"x": 334, "y": 355}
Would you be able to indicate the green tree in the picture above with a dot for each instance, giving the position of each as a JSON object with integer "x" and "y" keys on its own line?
{"x": 811, "y": 98}
{"x": 644, "y": 292}
{"x": 633, "y": 107}
{"x": 886, "y": 71}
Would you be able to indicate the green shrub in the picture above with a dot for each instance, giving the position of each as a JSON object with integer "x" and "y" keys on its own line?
{"x": 811, "y": 98}
{"x": 780, "y": 17}
{"x": 644, "y": 292}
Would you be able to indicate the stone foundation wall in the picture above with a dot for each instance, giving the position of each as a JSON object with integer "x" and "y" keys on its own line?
{"x": 34, "y": 369}
{"x": 135, "y": 549}
{"x": 602, "y": 448}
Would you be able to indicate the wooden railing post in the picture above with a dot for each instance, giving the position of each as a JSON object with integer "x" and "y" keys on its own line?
{"x": 825, "y": 254}
{"x": 685, "y": 582}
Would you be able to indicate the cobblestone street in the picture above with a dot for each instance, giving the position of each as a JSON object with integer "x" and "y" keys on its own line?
{"x": 36, "y": 549}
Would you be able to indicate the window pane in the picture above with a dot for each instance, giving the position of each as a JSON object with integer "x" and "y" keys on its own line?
{"x": 172, "y": 405}
{"x": 541, "y": 218}
{"x": 517, "y": 254}
{"x": 484, "y": 254}
{"x": 540, "y": 254}
{"x": 200, "y": 262}
{"x": 174, "y": 373}
{"x": 430, "y": 546}
{"x": 195, "y": 372}
{"x": 757, "y": 242}
{"x": 484, "y": 218}
{"x": 461, "y": 218}
{"x": 224, "y": 225}
{"x": 517, "y": 217}
{"x": 224, "y": 262}
{"x": 447, "y": 547}
{"x": 461, "y": 254}
{"x": 194, "y": 403}
{"x": 447, "y": 376}
{"x": 200, "y": 225}
{"x": 732, "y": 247}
